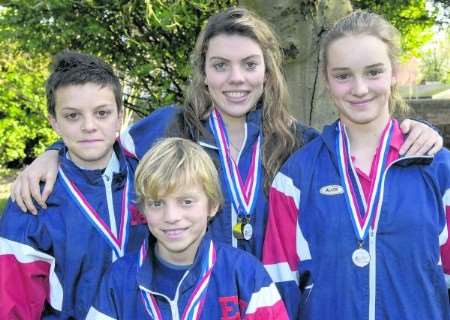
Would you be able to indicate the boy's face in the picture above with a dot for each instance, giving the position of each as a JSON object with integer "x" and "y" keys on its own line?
{"x": 88, "y": 122}
{"x": 178, "y": 221}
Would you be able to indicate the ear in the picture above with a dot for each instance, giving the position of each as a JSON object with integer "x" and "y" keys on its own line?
{"x": 213, "y": 211}
{"x": 54, "y": 124}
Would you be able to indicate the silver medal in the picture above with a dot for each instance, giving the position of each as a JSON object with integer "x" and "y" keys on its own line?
{"x": 361, "y": 257}
{"x": 247, "y": 231}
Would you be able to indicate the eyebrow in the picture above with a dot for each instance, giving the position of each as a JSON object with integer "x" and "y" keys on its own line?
{"x": 380, "y": 64}
{"x": 95, "y": 108}
{"x": 246, "y": 58}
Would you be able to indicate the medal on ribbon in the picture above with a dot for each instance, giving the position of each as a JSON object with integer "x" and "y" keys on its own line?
{"x": 362, "y": 214}
{"x": 243, "y": 194}
{"x": 116, "y": 242}
{"x": 194, "y": 307}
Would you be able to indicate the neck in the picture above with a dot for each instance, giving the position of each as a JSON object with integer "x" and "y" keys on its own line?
{"x": 91, "y": 165}
{"x": 236, "y": 133}
{"x": 179, "y": 258}
{"x": 364, "y": 140}
{"x": 362, "y": 136}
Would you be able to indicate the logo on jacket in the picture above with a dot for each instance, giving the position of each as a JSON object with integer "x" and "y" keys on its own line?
{"x": 331, "y": 190}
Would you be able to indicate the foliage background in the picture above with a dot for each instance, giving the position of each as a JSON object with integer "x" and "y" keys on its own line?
{"x": 147, "y": 41}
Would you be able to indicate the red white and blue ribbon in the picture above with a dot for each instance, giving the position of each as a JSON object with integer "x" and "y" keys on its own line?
{"x": 194, "y": 307}
{"x": 362, "y": 214}
{"x": 117, "y": 243}
{"x": 243, "y": 194}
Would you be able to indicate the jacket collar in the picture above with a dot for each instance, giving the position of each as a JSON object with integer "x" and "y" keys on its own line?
{"x": 253, "y": 120}
{"x": 331, "y": 131}
{"x": 144, "y": 275}
{"x": 116, "y": 169}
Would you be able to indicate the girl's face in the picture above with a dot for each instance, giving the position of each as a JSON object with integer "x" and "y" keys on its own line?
{"x": 359, "y": 78}
{"x": 235, "y": 73}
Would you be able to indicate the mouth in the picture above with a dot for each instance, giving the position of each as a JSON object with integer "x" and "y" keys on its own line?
{"x": 90, "y": 141}
{"x": 174, "y": 233}
{"x": 361, "y": 102}
{"x": 236, "y": 95}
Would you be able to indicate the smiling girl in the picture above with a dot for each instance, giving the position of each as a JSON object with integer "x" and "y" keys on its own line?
{"x": 362, "y": 230}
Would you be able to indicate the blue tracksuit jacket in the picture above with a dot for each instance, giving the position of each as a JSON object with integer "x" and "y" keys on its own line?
{"x": 310, "y": 239}
{"x": 51, "y": 264}
{"x": 239, "y": 288}
{"x": 141, "y": 136}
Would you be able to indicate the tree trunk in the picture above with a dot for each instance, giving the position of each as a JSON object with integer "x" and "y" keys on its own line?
{"x": 300, "y": 24}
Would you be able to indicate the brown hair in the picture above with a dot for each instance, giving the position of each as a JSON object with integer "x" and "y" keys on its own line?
{"x": 279, "y": 127}
{"x": 76, "y": 68}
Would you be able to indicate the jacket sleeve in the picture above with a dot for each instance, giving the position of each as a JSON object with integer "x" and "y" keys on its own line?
{"x": 27, "y": 278}
{"x": 441, "y": 163}
{"x": 259, "y": 298}
{"x": 286, "y": 254}
{"x": 139, "y": 138}
{"x": 104, "y": 307}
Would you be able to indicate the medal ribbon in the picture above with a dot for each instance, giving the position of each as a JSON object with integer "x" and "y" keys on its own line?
{"x": 355, "y": 196}
{"x": 118, "y": 244}
{"x": 193, "y": 308}
{"x": 243, "y": 194}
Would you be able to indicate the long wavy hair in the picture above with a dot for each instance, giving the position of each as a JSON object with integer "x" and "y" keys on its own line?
{"x": 362, "y": 22}
{"x": 279, "y": 127}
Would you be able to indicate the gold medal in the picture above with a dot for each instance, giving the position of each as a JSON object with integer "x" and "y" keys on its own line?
{"x": 243, "y": 230}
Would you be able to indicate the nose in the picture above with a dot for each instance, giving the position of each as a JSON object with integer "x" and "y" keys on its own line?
{"x": 89, "y": 124}
{"x": 171, "y": 213}
{"x": 359, "y": 87}
{"x": 236, "y": 75}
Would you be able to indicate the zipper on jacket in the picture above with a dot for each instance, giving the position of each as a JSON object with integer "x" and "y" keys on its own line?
{"x": 373, "y": 250}
{"x": 109, "y": 201}
{"x": 173, "y": 304}
{"x": 372, "y": 273}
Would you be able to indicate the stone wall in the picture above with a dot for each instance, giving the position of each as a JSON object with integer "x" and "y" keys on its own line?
{"x": 435, "y": 111}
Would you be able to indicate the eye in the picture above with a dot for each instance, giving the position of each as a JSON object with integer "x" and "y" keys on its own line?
{"x": 219, "y": 66}
{"x": 251, "y": 65}
{"x": 155, "y": 204}
{"x": 72, "y": 116}
{"x": 374, "y": 73}
{"x": 342, "y": 76}
{"x": 187, "y": 202}
{"x": 102, "y": 114}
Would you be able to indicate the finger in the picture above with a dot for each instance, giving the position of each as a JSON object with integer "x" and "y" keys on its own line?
{"x": 35, "y": 191}
{"x": 436, "y": 145}
{"x": 48, "y": 187}
{"x": 434, "y": 150}
{"x": 411, "y": 139}
{"x": 15, "y": 192}
{"x": 27, "y": 200}
{"x": 405, "y": 126}
{"x": 419, "y": 149}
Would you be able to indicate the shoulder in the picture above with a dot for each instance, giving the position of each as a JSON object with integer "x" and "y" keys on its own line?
{"x": 122, "y": 271}
{"x": 305, "y": 133}
{"x": 441, "y": 163}
{"x": 305, "y": 155}
{"x": 126, "y": 264}
{"x": 165, "y": 113}
{"x": 235, "y": 258}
